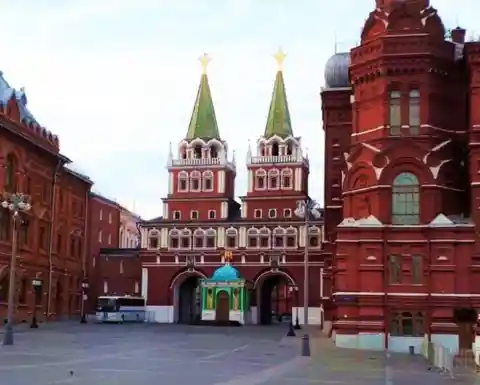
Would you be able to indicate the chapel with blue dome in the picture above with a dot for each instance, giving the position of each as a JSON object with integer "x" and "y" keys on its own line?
{"x": 224, "y": 296}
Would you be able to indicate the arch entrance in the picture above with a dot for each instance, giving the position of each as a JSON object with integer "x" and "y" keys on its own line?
{"x": 186, "y": 298}
{"x": 274, "y": 297}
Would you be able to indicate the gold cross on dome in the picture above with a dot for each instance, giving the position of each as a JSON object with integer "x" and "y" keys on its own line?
{"x": 227, "y": 256}
{"x": 204, "y": 61}
{"x": 280, "y": 58}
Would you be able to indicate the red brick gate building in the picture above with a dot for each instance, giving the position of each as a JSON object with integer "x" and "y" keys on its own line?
{"x": 202, "y": 219}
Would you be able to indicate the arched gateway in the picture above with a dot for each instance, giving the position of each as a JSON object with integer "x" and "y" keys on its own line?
{"x": 186, "y": 296}
{"x": 275, "y": 295}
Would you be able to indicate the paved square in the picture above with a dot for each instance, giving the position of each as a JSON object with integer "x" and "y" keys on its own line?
{"x": 178, "y": 355}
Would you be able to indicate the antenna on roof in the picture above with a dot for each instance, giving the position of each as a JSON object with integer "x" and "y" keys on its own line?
{"x": 335, "y": 43}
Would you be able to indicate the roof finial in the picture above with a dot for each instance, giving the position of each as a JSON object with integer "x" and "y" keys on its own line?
{"x": 280, "y": 58}
{"x": 204, "y": 61}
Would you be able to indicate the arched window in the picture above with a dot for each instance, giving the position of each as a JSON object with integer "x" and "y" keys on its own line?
{"x": 291, "y": 240}
{"x": 264, "y": 238}
{"x": 252, "y": 237}
{"x": 414, "y": 112}
{"x": 197, "y": 151}
{"x": 287, "y": 178}
{"x": 10, "y": 171}
{"x": 279, "y": 237}
{"x": 275, "y": 149}
{"x": 185, "y": 238}
{"x": 182, "y": 181}
{"x": 273, "y": 179}
{"x": 290, "y": 148}
{"x": 260, "y": 180}
{"x": 153, "y": 239}
{"x": 174, "y": 239}
{"x": 232, "y": 236}
{"x": 207, "y": 181}
{"x": 213, "y": 152}
{"x": 195, "y": 178}
{"x": 210, "y": 238}
{"x": 314, "y": 236}
{"x": 405, "y": 200}
{"x": 199, "y": 238}
{"x": 395, "y": 117}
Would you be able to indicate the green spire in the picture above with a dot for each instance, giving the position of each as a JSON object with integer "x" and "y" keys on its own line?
{"x": 278, "y": 122}
{"x": 203, "y": 123}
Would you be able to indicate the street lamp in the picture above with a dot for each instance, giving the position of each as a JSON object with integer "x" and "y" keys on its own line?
{"x": 294, "y": 288}
{"x": 83, "y": 319}
{"x": 15, "y": 203}
{"x": 307, "y": 209}
{"x": 37, "y": 289}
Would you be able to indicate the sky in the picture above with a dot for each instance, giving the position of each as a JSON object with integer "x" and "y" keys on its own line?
{"x": 117, "y": 79}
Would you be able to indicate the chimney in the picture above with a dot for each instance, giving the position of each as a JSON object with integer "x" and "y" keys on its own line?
{"x": 458, "y": 35}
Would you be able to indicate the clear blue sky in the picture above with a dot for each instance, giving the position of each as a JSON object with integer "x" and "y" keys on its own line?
{"x": 116, "y": 79}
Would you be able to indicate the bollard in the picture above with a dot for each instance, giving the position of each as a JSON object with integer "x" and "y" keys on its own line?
{"x": 411, "y": 350}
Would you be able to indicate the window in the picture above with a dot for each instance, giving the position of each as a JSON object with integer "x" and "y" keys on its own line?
{"x": 109, "y": 239}
{"x": 5, "y": 224}
{"x": 278, "y": 240}
{"x": 185, "y": 242}
{"x": 193, "y": 215}
{"x": 207, "y": 181}
{"x": 199, "y": 240}
{"x": 291, "y": 241}
{"x": 174, "y": 243}
{"x": 22, "y": 296}
{"x": 273, "y": 179}
{"x": 182, "y": 181}
{"x": 100, "y": 236}
{"x": 407, "y": 324}
{"x": 287, "y": 179}
{"x": 417, "y": 269}
{"x": 252, "y": 241}
{"x": 264, "y": 238}
{"x": 153, "y": 241}
{"x": 313, "y": 241}
{"x": 231, "y": 241}
{"x": 275, "y": 149}
{"x": 211, "y": 214}
{"x": 176, "y": 215}
{"x": 272, "y": 213}
{"x": 10, "y": 173}
{"x": 260, "y": 180}
{"x": 287, "y": 213}
{"x": 42, "y": 237}
{"x": 59, "y": 243}
{"x": 257, "y": 213}
{"x": 414, "y": 112}
{"x": 405, "y": 200}
{"x": 24, "y": 232}
{"x": 73, "y": 249}
{"x": 195, "y": 179}
{"x": 110, "y": 218}
{"x": 210, "y": 241}
{"x": 394, "y": 269}
{"x": 101, "y": 214}
{"x": 395, "y": 118}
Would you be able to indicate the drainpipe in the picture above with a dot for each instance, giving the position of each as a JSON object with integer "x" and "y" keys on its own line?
{"x": 85, "y": 245}
{"x": 385, "y": 288}
{"x": 53, "y": 199}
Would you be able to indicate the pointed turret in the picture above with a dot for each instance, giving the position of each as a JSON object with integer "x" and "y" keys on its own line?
{"x": 278, "y": 122}
{"x": 203, "y": 123}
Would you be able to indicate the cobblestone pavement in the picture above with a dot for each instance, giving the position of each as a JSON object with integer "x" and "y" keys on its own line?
{"x": 177, "y": 355}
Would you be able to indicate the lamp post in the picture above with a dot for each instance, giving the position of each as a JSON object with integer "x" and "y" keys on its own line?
{"x": 15, "y": 203}
{"x": 294, "y": 288}
{"x": 37, "y": 289}
{"x": 306, "y": 209}
{"x": 83, "y": 319}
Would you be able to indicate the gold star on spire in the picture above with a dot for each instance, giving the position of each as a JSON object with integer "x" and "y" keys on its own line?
{"x": 280, "y": 58}
{"x": 204, "y": 61}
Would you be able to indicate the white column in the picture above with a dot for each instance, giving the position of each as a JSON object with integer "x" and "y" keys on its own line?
{"x": 145, "y": 283}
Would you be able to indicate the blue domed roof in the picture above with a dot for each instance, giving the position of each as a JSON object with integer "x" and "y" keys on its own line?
{"x": 336, "y": 70}
{"x": 225, "y": 273}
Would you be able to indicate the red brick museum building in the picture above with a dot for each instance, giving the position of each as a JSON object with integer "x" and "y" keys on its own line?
{"x": 402, "y": 154}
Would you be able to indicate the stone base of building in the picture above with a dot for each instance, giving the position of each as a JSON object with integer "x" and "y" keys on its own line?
{"x": 377, "y": 341}
{"x": 166, "y": 314}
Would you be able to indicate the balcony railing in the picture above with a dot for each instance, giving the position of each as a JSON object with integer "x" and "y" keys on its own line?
{"x": 199, "y": 162}
{"x": 277, "y": 159}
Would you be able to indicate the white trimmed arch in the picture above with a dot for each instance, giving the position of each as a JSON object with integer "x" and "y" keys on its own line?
{"x": 271, "y": 273}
